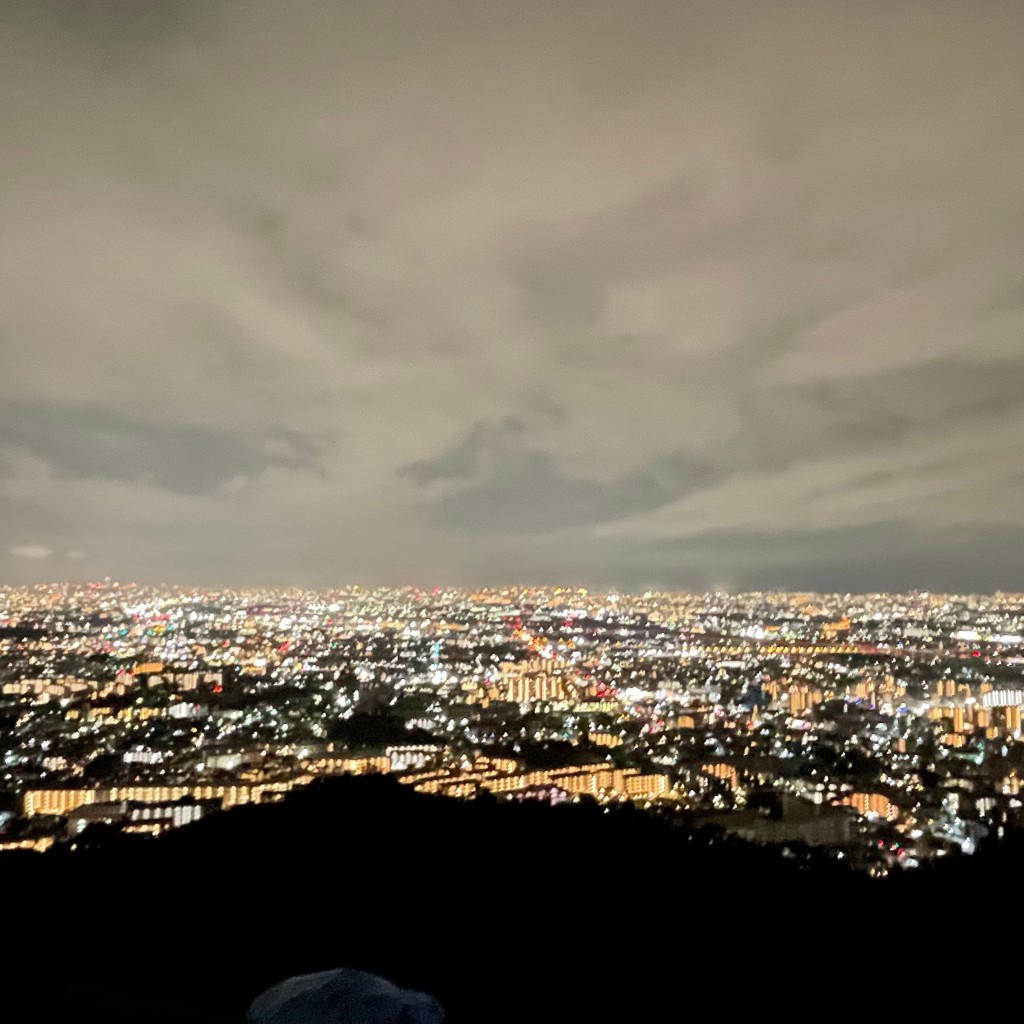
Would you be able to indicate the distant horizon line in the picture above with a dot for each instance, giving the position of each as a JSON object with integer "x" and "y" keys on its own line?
{"x": 552, "y": 588}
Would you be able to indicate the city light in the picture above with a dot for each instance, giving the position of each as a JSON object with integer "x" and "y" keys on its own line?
{"x": 884, "y": 729}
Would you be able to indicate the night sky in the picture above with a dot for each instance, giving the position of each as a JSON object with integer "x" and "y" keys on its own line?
{"x": 638, "y": 294}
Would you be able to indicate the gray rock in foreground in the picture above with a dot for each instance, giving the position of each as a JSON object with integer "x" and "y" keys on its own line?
{"x": 343, "y": 996}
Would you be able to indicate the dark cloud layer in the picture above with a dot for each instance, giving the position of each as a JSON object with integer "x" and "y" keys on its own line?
{"x": 493, "y": 481}
{"x": 91, "y": 443}
{"x": 621, "y": 293}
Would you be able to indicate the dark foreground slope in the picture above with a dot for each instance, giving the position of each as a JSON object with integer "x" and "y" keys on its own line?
{"x": 504, "y": 912}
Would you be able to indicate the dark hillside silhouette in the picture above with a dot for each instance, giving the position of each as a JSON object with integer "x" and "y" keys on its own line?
{"x": 503, "y": 911}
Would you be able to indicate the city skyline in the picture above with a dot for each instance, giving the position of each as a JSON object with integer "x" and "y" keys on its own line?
{"x": 883, "y": 731}
{"x": 633, "y": 296}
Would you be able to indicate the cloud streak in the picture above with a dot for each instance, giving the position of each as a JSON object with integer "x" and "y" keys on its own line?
{"x": 30, "y": 551}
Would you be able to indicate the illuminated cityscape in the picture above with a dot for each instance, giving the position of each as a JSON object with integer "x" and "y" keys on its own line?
{"x": 510, "y": 510}
{"x": 883, "y": 729}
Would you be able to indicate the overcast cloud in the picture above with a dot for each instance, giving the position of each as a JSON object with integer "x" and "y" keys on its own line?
{"x": 607, "y": 293}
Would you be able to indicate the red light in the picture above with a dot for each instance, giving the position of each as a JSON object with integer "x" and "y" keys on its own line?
{"x": 975, "y": 654}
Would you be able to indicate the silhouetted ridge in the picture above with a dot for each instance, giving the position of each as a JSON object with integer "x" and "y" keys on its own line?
{"x": 480, "y": 903}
